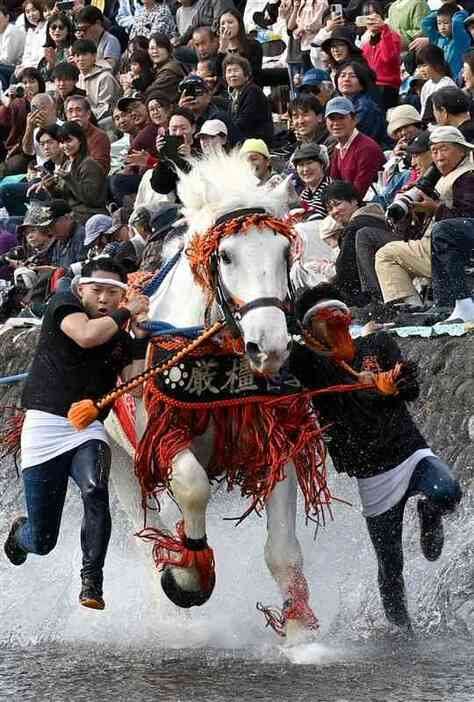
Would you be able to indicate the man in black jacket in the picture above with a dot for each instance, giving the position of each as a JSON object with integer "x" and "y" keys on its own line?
{"x": 82, "y": 350}
{"x": 373, "y": 438}
{"x": 365, "y": 231}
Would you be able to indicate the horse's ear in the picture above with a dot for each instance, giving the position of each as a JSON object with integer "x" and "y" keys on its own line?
{"x": 286, "y": 193}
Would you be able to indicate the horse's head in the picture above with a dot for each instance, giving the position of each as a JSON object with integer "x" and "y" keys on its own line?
{"x": 239, "y": 253}
{"x": 251, "y": 270}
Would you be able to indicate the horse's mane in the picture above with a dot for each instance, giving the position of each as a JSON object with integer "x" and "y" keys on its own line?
{"x": 220, "y": 183}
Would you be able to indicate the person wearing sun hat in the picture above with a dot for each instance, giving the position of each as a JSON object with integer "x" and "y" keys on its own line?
{"x": 450, "y": 220}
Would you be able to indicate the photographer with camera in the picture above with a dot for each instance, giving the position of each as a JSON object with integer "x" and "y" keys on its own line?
{"x": 195, "y": 95}
{"x": 173, "y": 150}
{"x": 397, "y": 263}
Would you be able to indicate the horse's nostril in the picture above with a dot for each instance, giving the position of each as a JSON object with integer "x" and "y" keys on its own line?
{"x": 252, "y": 349}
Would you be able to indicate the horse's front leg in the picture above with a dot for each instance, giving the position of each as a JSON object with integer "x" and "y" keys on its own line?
{"x": 284, "y": 558}
{"x": 190, "y": 582}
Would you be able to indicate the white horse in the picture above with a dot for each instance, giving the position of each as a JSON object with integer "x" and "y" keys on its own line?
{"x": 253, "y": 271}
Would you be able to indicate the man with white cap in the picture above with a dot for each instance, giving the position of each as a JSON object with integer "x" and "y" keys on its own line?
{"x": 357, "y": 158}
{"x": 212, "y": 136}
{"x": 398, "y": 262}
{"x": 82, "y": 349}
{"x": 404, "y": 121}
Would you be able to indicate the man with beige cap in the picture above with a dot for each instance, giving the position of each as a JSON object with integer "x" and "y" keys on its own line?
{"x": 404, "y": 122}
{"x": 398, "y": 262}
{"x": 257, "y": 154}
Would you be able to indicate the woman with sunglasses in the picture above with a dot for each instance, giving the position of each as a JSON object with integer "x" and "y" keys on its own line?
{"x": 59, "y": 38}
{"x": 81, "y": 181}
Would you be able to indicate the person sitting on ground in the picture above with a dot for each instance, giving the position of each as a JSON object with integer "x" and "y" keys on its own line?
{"x": 83, "y": 339}
{"x": 381, "y": 50}
{"x": 364, "y": 231}
{"x": 212, "y": 137}
{"x": 451, "y": 107}
{"x": 397, "y": 263}
{"x": 168, "y": 73}
{"x": 101, "y": 87}
{"x": 373, "y": 438}
{"x": 357, "y": 158}
{"x": 12, "y": 45}
{"x": 250, "y": 110}
{"x": 194, "y": 95}
{"x": 233, "y": 39}
{"x": 81, "y": 181}
{"x": 78, "y": 109}
{"x": 90, "y": 25}
{"x": 445, "y": 28}
{"x": 312, "y": 164}
{"x": 353, "y": 82}
{"x": 59, "y": 39}
{"x": 65, "y": 76}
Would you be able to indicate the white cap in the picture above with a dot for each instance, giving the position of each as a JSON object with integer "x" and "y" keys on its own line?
{"x": 449, "y": 135}
{"x": 213, "y": 127}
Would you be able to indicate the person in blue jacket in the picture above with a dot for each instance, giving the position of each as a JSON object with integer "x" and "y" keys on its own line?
{"x": 445, "y": 28}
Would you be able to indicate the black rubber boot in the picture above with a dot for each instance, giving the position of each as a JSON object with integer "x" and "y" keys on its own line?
{"x": 91, "y": 592}
{"x": 431, "y": 530}
{"x": 13, "y": 552}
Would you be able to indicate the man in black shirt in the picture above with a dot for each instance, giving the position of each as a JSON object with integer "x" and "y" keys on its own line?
{"x": 373, "y": 438}
{"x": 82, "y": 350}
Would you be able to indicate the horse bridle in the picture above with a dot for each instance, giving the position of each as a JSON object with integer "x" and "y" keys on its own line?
{"x": 233, "y": 310}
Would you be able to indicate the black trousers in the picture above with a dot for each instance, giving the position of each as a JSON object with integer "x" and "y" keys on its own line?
{"x": 452, "y": 244}
{"x": 368, "y": 241}
{"x": 45, "y": 491}
{"x": 434, "y": 479}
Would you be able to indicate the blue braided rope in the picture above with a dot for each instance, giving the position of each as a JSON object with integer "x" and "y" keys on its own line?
{"x": 151, "y": 287}
{"x": 163, "y": 328}
{"x": 11, "y": 379}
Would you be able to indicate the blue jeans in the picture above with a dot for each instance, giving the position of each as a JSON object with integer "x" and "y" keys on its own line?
{"x": 434, "y": 479}
{"x": 45, "y": 491}
{"x": 452, "y": 245}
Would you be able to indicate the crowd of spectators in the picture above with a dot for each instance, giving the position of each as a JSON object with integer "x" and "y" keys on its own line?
{"x": 362, "y": 110}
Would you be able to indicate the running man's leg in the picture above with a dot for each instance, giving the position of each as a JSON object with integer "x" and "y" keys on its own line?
{"x": 90, "y": 468}
{"x": 385, "y": 531}
{"x": 45, "y": 491}
{"x": 434, "y": 479}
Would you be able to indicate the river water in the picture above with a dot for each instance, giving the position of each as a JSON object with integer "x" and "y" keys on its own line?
{"x": 142, "y": 648}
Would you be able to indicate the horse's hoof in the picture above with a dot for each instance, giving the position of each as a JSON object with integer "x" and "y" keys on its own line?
{"x": 180, "y": 596}
{"x": 296, "y": 632}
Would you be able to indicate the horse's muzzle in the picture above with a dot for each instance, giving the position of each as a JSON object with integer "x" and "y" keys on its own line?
{"x": 265, "y": 363}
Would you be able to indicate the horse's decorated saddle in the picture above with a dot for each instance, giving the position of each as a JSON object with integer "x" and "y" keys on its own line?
{"x": 215, "y": 375}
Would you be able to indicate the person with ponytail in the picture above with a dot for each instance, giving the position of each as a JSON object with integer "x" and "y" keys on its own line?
{"x": 372, "y": 437}
{"x": 82, "y": 350}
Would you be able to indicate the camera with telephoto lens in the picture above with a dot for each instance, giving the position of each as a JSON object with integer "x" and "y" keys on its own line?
{"x": 17, "y": 90}
{"x": 403, "y": 203}
{"x": 18, "y": 253}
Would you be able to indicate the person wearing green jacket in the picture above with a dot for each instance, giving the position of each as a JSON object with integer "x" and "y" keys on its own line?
{"x": 404, "y": 17}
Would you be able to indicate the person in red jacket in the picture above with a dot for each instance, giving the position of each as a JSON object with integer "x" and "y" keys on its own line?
{"x": 382, "y": 53}
{"x": 357, "y": 158}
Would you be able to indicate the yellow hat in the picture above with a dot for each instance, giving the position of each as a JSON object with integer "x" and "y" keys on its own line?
{"x": 255, "y": 146}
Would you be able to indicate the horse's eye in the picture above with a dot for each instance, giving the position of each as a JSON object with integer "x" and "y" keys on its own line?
{"x": 224, "y": 257}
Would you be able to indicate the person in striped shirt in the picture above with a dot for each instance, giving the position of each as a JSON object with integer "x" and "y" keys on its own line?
{"x": 312, "y": 163}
